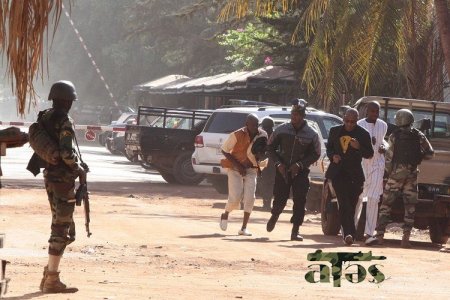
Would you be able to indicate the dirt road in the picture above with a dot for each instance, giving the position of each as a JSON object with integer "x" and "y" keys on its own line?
{"x": 160, "y": 241}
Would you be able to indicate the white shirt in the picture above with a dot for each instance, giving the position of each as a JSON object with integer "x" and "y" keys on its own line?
{"x": 374, "y": 167}
{"x": 378, "y": 131}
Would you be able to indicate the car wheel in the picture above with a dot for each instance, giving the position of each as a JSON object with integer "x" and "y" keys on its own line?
{"x": 438, "y": 230}
{"x": 330, "y": 220}
{"x": 169, "y": 178}
{"x": 108, "y": 146}
{"x": 184, "y": 172}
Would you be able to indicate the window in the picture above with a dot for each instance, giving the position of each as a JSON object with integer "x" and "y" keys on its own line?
{"x": 225, "y": 122}
{"x": 328, "y": 123}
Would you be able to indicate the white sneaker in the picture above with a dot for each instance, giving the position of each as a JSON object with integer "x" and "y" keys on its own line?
{"x": 244, "y": 232}
{"x": 371, "y": 240}
{"x": 223, "y": 223}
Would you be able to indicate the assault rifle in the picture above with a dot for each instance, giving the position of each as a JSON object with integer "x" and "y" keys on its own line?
{"x": 82, "y": 195}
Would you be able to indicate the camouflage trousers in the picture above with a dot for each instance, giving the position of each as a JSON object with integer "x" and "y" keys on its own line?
{"x": 402, "y": 183}
{"x": 61, "y": 197}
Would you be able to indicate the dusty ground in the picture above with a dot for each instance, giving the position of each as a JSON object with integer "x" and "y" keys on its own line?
{"x": 163, "y": 242}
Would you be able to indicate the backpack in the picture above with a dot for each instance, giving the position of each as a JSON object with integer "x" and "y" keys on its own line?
{"x": 407, "y": 148}
{"x": 42, "y": 143}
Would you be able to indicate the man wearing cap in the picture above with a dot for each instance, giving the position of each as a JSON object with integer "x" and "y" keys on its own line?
{"x": 60, "y": 181}
{"x": 242, "y": 167}
{"x": 293, "y": 147}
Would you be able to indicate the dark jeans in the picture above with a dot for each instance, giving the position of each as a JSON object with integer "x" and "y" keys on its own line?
{"x": 282, "y": 190}
{"x": 347, "y": 193}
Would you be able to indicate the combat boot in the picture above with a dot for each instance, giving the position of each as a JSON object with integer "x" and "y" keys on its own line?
{"x": 52, "y": 284}
{"x": 405, "y": 240}
{"x": 44, "y": 276}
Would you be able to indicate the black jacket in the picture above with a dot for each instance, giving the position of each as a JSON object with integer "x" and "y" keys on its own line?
{"x": 350, "y": 165}
{"x": 289, "y": 146}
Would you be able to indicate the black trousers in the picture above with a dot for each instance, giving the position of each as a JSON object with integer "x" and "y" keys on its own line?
{"x": 347, "y": 193}
{"x": 282, "y": 190}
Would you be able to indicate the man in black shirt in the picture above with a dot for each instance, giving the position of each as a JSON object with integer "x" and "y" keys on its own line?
{"x": 347, "y": 145}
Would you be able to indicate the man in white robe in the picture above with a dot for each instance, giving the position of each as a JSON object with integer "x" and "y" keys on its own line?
{"x": 373, "y": 170}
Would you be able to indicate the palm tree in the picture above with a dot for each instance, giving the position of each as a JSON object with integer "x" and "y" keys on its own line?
{"x": 23, "y": 25}
{"x": 443, "y": 24}
{"x": 353, "y": 43}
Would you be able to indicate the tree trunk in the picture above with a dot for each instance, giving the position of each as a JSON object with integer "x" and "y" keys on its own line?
{"x": 443, "y": 25}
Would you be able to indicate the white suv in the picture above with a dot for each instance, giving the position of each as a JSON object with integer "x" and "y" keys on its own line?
{"x": 207, "y": 155}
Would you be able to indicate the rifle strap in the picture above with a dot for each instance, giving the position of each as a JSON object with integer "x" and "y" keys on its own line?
{"x": 78, "y": 148}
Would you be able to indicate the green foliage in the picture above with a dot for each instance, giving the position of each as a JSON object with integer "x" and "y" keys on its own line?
{"x": 359, "y": 47}
{"x": 245, "y": 47}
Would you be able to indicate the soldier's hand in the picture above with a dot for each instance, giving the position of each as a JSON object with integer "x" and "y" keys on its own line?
{"x": 382, "y": 149}
{"x": 336, "y": 158}
{"x": 354, "y": 143}
{"x": 82, "y": 176}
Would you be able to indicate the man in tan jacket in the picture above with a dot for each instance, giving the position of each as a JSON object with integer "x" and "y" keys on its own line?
{"x": 242, "y": 166}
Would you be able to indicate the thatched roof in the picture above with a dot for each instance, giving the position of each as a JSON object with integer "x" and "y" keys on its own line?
{"x": 23, "y": 25}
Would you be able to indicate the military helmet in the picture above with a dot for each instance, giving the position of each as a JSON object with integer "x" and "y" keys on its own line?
{"x": 63, "y": 90}
{"x": 404, "y": 117}
{"x": 299, "y": 105}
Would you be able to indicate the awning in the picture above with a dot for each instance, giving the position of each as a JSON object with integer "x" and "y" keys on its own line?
{"x": 266, "y": 77}
{"x": 161, "y": 83}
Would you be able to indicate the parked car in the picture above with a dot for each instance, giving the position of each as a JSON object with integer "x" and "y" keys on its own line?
{"x": 115, "y": 141}
{"x": 207, "y": 155}
{"x": 168, "y": 142}
{"x": 433, "y": 207}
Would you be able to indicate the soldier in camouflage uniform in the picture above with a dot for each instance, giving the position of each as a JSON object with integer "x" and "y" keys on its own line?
{"x": 60, "y": 181}
{"x": 407, "y": 147}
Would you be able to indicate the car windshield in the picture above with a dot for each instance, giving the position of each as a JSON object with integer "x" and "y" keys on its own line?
{"x": 225, "y": 122}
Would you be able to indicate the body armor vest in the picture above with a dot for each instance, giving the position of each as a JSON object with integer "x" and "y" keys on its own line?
{"x": 407, "y": 147}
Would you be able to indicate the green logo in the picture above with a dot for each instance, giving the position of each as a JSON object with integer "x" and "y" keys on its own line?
{"x": 355, "y": 273}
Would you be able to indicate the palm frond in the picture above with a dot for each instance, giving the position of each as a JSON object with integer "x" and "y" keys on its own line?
{"x": 240, "y": 8}
{"x": 22, "y": 28}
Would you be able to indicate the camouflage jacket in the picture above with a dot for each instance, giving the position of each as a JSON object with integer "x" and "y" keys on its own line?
{"x": 60, "y": 127}
{"x": 425, "y": 148}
